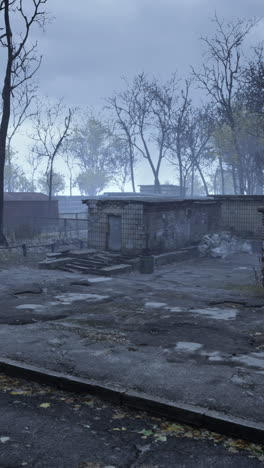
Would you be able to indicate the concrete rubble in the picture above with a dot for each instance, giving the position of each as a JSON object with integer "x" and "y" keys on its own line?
{"x": 222, "y": 244}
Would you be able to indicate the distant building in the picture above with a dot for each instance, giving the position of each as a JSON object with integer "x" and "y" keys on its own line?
{"x": 70, "y": 204}
{"x": 165, "y": 189}
{"x": 23, "y": 207}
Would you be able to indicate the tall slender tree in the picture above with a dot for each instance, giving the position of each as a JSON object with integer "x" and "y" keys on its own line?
{"x": 21, "y": 64}
{"x": 50, "y": 130}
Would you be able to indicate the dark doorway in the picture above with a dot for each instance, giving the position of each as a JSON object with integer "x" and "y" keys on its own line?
{"x": 114, "y": 233}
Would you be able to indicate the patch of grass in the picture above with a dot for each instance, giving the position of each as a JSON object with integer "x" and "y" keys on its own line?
{"x": 247, "y": 288}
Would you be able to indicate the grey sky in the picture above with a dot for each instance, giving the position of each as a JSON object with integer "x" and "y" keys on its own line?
{"x": 91, "y": 43}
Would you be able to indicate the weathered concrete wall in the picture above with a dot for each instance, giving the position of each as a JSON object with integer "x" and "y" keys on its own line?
{"x": 158, "y": 226}
{"x": 174, "y": 225}
{"x": 240, "y": 215}
{"x": 166, "y": 225}
{"x": 132, "y": 227}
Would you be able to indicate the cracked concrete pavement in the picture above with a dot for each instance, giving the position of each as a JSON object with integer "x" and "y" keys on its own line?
{"x": 192, "y": 332}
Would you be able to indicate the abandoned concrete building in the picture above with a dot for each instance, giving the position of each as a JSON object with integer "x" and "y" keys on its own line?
{"x": 137, "y": 224}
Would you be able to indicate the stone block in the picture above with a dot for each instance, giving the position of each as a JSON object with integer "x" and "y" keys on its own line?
{"x": 53, "y": 264}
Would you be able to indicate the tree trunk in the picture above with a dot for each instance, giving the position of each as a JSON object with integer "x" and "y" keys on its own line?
{"x": 8, "y": 165}
{"x": 50, "y": 181}
{"x": 259, "y": 180}
{"x": 156, "y": 176}
{"x": 182, "y": 191}
{"x": 234, "y": 179}
{"x": 222, "y": 175}
{"x": 203, "y": 179}
{"x": 241, "y": 181}
{"x": 3, "y": 240}
{"x": 6, "y": 101}
{"x": 178, "y": 153}
{"x": 240, "y": 169}
{"x": 131, "y": 163}
{"x": 156, "y": 183}
{"x": 192, "y": 182}
{"x": 71, "y": 184}
{"x": 215, "y": 183}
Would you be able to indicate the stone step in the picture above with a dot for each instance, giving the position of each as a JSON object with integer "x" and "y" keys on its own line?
{"x": 52, "y": 256}
{"x": 83, "y": 253}
{"x": 89, "y": 262}
{"x": 116, "y": 269}
{"x": 53, "y": 264}
{"x": 82, "y": 269}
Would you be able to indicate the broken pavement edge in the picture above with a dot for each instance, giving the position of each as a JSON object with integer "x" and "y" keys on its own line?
{"x": 180, "y": 412}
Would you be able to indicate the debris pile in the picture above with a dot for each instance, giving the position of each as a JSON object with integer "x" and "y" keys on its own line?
{"x": 222, "y": 244}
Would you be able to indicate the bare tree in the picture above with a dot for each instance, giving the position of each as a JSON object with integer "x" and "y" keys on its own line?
{"x": 118, "y": 161}
{"x": 58, "y": 183}
{"x": 124, "y": 128}
{"x": 253, "y": 81}
{"x": 177, "y": 136}
{"x": 49, "y": 132}
{"x": 201, "y": 124}
{"x": 21, "y": 110}
{"x": 33, "y": 161}
{"x": 221, "y": 77}
{"x": 70, "y": 161}
{"x": 142, "y": 112}
{"x": 20, "y": 66}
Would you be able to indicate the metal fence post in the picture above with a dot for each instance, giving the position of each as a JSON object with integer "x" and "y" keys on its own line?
{"x": 24, "y": 250}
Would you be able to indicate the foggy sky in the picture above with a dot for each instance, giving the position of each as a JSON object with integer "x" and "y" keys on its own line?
{"x": 91, "y": 43}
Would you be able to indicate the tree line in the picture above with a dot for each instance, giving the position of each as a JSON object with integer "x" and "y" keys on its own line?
{"x": 216, "y": 146}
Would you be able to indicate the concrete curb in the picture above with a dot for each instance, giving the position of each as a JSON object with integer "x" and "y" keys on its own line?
{"x": 180, "y": 412}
